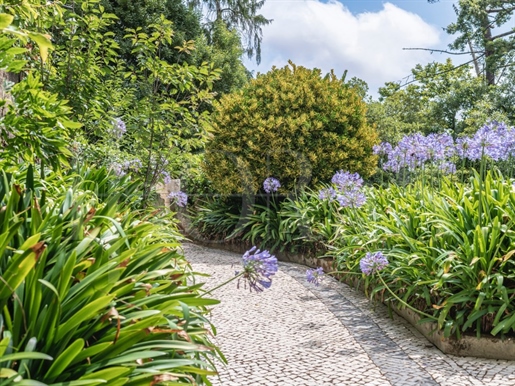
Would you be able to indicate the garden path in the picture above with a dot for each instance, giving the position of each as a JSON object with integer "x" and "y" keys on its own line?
{"x": 296, "y": 334}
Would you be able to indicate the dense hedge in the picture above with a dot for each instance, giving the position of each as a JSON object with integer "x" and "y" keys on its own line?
{"x": 290, "y": 123}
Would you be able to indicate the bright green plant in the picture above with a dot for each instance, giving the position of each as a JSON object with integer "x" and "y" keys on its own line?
{"x": 444, "y": 260}
{"x": 292, "y": 124}
{"x": 165, "y": 116}
{"x": 92, "y": 291}
{"x": 34, "y": 123}
{"x": 216, "y": 218}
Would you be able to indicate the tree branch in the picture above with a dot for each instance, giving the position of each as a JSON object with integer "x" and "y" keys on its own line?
{"x": 502, "y": 35}
{"x": 439, "y": 51}
{"x": 445, "y": 71}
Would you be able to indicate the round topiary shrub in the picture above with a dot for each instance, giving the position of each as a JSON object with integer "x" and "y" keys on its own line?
{"x": 292, "y": 124}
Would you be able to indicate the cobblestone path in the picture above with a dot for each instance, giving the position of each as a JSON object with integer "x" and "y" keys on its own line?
{"x": 296, "y": 334}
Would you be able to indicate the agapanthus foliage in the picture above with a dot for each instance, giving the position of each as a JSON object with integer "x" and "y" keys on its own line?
{"x": 315, "y": 276}
{"x": 258, "y": 269}
{"x": 179, "y": 198}
{"x": 271, "y": 185}
{"x": 372, "y": 263}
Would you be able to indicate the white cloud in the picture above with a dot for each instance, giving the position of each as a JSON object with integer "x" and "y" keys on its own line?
{"x": 328, "y": 36}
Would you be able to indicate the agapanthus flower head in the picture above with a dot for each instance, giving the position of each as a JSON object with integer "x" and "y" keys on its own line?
{"x": 179, "y": 198}
{"x": 415, "y": 150}
{"x": 372, "y": 263}
{"x": 119, "y": 128}
{"x": 345, "y": 180}
{"x": 347, "y": 190}
{"x": 133, "y": 164}
{"x": 271, "y": 185}
{"x": 352, "y": 198}
{"x": 493, "y": 140}
{"x": 167, "y": 179}
{"x": 315, "y": 276}
{"x": 118, "y": 169}
{"x": 258, "y": 269}
{"x": 384, "y": 148}
{"x": 327, "y": 194}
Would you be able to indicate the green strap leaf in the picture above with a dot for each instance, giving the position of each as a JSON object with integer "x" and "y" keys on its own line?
{"x": 25, "y": 355}
{"x": 63, "y": 360}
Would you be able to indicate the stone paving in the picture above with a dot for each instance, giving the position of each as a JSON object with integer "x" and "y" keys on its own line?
{"x": 296, "y": 334}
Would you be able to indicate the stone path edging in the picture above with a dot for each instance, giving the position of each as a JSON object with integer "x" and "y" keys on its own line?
{"x": 467, "y": 346}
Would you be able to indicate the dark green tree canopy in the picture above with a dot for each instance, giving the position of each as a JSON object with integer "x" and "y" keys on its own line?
{"x": 143, "y": 13}
{"x": 238, "y": 15}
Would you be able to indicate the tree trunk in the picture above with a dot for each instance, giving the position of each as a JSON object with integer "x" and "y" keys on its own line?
{"x": 489, "y": 52}
{"x": 6, "y": 77}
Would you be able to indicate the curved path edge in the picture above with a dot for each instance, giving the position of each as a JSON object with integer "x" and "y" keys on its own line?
{"x": 299, "y": 334}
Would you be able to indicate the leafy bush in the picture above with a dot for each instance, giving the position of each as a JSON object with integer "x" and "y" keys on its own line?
{"x": 447, "y": 258}
{"x": 92, "y": 291}
{"x": 290, "y": 123}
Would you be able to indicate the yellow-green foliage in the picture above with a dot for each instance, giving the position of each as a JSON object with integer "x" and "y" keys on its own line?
{"x": 292, "y": 124}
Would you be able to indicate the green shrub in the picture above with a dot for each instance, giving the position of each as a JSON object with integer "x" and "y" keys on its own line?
{"x": 444, "y": 260}
{"x": 92, "y": 291}
{"x": 290, "y": 123}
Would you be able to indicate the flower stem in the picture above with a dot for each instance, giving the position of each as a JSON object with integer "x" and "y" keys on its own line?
{"x": 224, "y": 283}
{"x": 402, "y": 301}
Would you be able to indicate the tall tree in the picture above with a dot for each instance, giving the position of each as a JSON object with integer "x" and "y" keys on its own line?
{"x": 239, "y": 15}
{"x": 143, "y": 13}
{"x": 441, "y": 99}
{"x": 482, "y": 31}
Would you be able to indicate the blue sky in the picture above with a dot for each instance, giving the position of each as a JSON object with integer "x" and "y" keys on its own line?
{"x": 365, "y": 37}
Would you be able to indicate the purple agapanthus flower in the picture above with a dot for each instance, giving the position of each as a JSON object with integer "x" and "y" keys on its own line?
{"x": 352, "y": 198}
{"x": 315, "y": 276}
{"x": 494, "y": 140}
{"x": 372, "y": 263}
{"x": 327, "y": 194}
{"x": 118, "y": 169}
{"x": 347, "y": 190}
{"x": 345, "y": 180}
{"x": 415, "y": 150}
{"x": 384, "y": 148}
{"x": 447, "y": 167}
{"x": 258, "y": 269}
{"x": 167, "y": 179}
{"x": 134, "y": 164}
{"x": 119, "y": 128}
{"x": 271, "y": 185}
{"x": 179, "y": 198}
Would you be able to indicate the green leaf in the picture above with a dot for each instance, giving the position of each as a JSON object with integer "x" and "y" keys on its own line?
{"x": 43, "y": 43}
{"x": 85, "y": 314}
{"x": 30, "y": 382}
{"x": 80, "y": 382}
{"x": 109, "y": 374}
{"x": 5, "y": 20}
{"x": 25, "y": 355}
{"x": 63, "y": 360}
{"x": 70, "y": 124}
